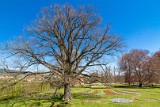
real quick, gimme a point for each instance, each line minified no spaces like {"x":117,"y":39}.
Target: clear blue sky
{"x":137,"y":21}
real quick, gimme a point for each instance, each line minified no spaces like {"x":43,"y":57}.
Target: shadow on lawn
{"x":125,"y":86}
{"x":35,"y":100}
{"x":136,"y":87}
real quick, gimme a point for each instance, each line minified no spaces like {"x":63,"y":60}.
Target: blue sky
{"x":137,"y":21}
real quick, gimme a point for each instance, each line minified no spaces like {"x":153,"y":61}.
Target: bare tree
{"x":137,"y":66}
{"x":139,"y":58}
{"x":67,"y":41}
{"x":106,"y":77}
{"x":125,"y":67}
{"x":155,"y":66}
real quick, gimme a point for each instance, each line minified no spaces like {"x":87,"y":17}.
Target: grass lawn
{"x":91,"y":97}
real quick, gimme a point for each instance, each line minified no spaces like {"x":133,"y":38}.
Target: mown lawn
{"x":90,"y":97}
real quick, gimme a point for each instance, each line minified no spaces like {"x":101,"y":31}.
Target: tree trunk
{"x":140,"y":84}
{"x":67,"y":92}
{"x":129,"y":83}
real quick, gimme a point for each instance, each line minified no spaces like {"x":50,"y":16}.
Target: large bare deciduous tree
{"x":67,"y":41}
{"x":137,"y":66}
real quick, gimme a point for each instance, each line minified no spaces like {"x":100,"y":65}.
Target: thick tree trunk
{"x":67,"y":92}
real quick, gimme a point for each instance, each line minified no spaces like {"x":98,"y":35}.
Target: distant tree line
{"x":139,"y":66}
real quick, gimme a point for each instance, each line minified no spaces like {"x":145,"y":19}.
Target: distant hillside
{"x":2,"y":71}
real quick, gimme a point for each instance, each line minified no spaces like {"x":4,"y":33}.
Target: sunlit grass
{"x":85,"y":97}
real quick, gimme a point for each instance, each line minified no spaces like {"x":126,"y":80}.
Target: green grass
{"x":87,"y":97}
{"x":145,"y":98}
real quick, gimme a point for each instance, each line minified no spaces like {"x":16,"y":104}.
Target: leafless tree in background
{"x":155,"y":66}
{"x":67,"y":41}
{"x":125,"y":67}
{"x":106,"y":76}
{"x":139,"y":58}
{"x":137,"y":66}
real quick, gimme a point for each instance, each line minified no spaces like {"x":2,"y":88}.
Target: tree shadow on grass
{"x":12,"y":102}
{"x":125,"y":86}
{"x":137,"y":87}
{"x":35,"y":100}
